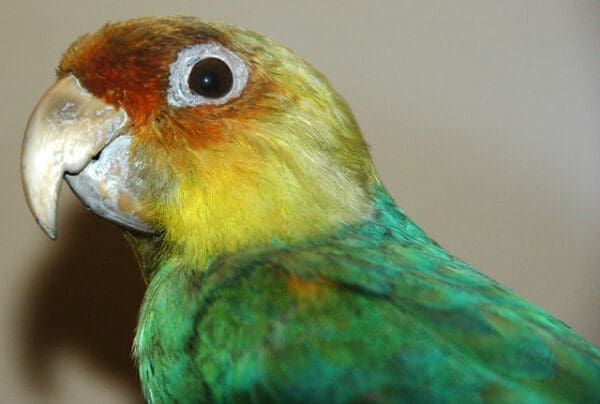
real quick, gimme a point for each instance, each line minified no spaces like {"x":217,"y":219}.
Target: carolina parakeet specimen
{"x":278,"y":267}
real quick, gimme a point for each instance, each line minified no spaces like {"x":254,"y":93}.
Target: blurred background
{"x":484,"y":122}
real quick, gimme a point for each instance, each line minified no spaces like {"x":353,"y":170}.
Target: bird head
{"x":201,"y":137}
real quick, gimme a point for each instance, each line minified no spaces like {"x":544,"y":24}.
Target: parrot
{"x":277,"y":266}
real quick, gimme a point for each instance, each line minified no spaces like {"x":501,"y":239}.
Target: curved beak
{"x":68,"y":127}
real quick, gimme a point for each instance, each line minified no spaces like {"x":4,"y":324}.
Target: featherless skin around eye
{"x":180,"y":94}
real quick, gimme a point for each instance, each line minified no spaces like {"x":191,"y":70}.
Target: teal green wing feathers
{"x":374,"y":313}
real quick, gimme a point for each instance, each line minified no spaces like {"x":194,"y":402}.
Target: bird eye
{"x":210,"y":78}
{"x":205,"y":74}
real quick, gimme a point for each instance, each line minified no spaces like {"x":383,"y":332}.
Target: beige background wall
{"x":484,"y":121}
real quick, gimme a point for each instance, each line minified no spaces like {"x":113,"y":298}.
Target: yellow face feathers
{"x":277,"y":158}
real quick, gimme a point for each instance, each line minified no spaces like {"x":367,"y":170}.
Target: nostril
{"x":96,"y":156}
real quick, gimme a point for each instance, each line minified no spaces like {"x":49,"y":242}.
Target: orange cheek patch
{"x":201,"y":131}
{"x":201,"y":136}
{"x":205,"y":125}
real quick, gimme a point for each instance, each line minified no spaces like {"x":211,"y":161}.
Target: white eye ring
{"x":179,"y":93}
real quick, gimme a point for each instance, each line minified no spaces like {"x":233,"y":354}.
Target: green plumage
{"x":374,"y":312}
{"x":278,"y":268}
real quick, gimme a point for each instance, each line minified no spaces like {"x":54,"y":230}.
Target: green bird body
{"x":278,"y":267}
{"x":373,"y":312}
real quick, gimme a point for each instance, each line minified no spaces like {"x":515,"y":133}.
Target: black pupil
{"x":211,"y":78}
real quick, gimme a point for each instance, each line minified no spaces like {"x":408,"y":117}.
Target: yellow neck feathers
{"x":249,"y":194}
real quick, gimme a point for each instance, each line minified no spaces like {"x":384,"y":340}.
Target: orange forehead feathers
{"x":127,"y":65}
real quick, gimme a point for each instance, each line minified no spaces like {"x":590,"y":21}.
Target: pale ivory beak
{"x":67,"y":128}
